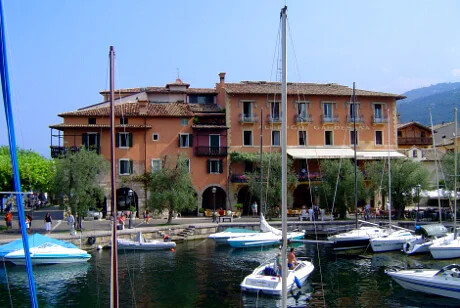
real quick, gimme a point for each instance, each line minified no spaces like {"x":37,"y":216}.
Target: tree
{"x":448,"y":163}
{"x":76,"y":180}
{"x":405,"y":176}
{"x":35,"y":171}
{"x":271,"y":184}
{"x":338,"y":186}
{"x":171,"y":188}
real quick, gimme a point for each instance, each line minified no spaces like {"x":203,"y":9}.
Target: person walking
{"x":367,"y":212}
{"x":29,"y":219}
{"x":48,"y":221}
{"x":71,"y":223}
{"x":254,"y":209}
{"x":9,"y":220}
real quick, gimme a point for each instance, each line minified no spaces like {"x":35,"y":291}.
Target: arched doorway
{"x":244,"y":197}
{"x":127,"y":197}
{"x":302,"y":196}
{"x":215,"y":200}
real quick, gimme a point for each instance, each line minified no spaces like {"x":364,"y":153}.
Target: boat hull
{"x":123,"y":244}
{"x":42,"y":260}
{"x":261,"y":240}
{"x":448,"y":249}
{"x":50,"y":254}
{"x":358,"y":238}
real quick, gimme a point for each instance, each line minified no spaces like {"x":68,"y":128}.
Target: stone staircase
{"x":189,"y":231}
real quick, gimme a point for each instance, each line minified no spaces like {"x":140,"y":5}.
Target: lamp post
{"x":214,"y":204}
{"x":418,"y":201}
{"x":131,"y":218}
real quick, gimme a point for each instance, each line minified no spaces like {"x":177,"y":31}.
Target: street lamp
{"x":418,"y":201}
{"x":131,"y":218}
{"x":214,"y":189}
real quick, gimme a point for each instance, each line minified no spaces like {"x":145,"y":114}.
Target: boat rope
{"x":7,"y":282}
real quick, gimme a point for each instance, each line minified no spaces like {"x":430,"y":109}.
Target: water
{"x":201,"y":274}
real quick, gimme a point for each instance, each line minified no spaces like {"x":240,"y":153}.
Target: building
{"x":208,"y":124}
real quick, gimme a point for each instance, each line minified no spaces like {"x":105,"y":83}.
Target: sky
{"x":58,"y":50}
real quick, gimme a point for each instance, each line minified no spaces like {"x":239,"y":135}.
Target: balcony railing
{"x":304,"y":177}
{"x":210,"y":151}
{"x":379,"y":119}
{"x":239,"y":178}
{"x":329,"y":119}
{"x":248,"y":118}
{"x":57,"y":151}
{"x":275,"y":118}
{"x":415,"y":140}
{"x":359,"y":119}
{"x":306,"y":118}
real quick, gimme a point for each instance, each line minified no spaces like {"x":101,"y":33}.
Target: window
{"x":215,"y":166}
{"x":378,"y":112}
{"x":301,"y":112}
{"x":124,"y":140}
{"x":327,"y":111}
{"x":248,"y":166}
{"x":302,"y":137}
{"x":247,"y":110}
{"x":125,"y":166}
{"x":184,"y":122}
{"x":247,"y":138}
{"x":155,"y":137}
{"x":422,"y":134}
{"x":354,"y":137}
{"x":91,"y":120}
{"x":328,"y":138}
{"x":414,"y":153}
{"x":399,"y":133}
{"x":185,"y":140}
{"x":378,"y":137}
{"x":91,"y":141}
{"x":124,"y":121}
{"x":275,"y":111}
{"x":201,"y":99}
{"x":276,"y":138}
{"x":156,"y":165}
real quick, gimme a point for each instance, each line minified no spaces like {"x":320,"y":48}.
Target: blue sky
{"x":58,"y":50}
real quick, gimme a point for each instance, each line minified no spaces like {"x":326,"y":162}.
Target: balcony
{"x":329,"y":119}
{"x":305,"y":118}
{"x":58,"y":151}
{"x":248,"y":118}
{"x":304,"y":177}
{"x":275,"y":118}
{"x":415,"y":140}
{"x":239,"y":178}
{"x":359,"y":119}
{"x":379,"y":119}
{"x":210,"y":151}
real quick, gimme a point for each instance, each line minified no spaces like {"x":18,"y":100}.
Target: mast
{"x":14,"y":159}
{"x":455,"y":176}
{"x":284,"y":158}
{"x":261,"y":171}
{"x":113,"y":199}
{"x":436,"y":166}
{"x":354,"y":150}
{"x":389,"y":169}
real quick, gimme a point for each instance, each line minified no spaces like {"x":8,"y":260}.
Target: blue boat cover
{"x":34,"y":240}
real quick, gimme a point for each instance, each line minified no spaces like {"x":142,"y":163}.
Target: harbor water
{"x":202,"y":274}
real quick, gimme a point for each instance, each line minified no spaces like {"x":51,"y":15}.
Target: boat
{"x":429,"y":234}
{"x":444,"y":282}
{"x":356,"y":238}
{"x":265,"y":278}
{"x":49,"y":253}
{"x":140,"y":243}
{"x":222,"y":237}
{"x":393,"y":241}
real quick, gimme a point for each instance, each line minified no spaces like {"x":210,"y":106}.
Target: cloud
{"x":455,"y":72}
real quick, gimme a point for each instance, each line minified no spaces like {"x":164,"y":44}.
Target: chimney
{"x":222,"y":79}
{"x":143,"y":107}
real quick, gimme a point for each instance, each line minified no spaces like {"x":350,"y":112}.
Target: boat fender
{"x":91,"y":240}
{"x":406,"y":247}
{"x":297,"y":282}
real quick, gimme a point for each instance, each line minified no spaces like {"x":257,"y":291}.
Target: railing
{"x":304,"y":177}
{"x":359,"y":119}
{"x":306,"y":118}
{"x":276,"y":118}
{"x":239,"y":178}
{"x":248,"y":118}
{"x":329,"y":119}
{"x":379,"y":119}
{"x":415,"y":140}
{"x":210,"y":151}
{"x":57,"y":151}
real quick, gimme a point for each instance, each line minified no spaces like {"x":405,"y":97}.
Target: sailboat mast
{"x":284,"y":157}
{"x":436,"y":162}
{"x":354,"y":151}
{"x":389,"y":169}
{"x":14,"y":159}
{"x":113,"y":199}
{"x":261,"y":170}
{"x":455,"y":175}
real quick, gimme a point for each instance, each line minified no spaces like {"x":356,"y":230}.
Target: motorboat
{"x":266,"y":279}
{"x":222,"y":237}
{"x":430,"y":234}
{"x":140,"y":243}
{"x":444,"y":282}
{"x":393,"y":241}
{"x":356,"y":238}
{"x":49,"y":253}
{"x":447,"y":248}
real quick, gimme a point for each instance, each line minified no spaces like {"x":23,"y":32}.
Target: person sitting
{"x":292,"y":261}
{"x":221,"y":212}
{"x":166,"y":238}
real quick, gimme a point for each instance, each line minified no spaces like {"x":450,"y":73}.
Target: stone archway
{"x":127,"y":197}
{"x":244,"y":197}
{"x":211,"y":200}
{"x":302,"y":196}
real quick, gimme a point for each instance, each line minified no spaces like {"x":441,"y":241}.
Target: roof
{"x":162,"y":90}
{"x":402,"y":125}
{"x":178,"y":109}
{"x":264,"y":87}
{"x":435,"y":126}
{"x":339,"y":152}
{"x":378,"y":154}
{"x":59,"y":126}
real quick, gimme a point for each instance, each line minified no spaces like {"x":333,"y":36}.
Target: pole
{"x":214,"y":216}
{"x":455,"y":176}
{"x":354,"y":150}
{"x":389,"y":168}
{"x":436,"y":162}
{"x":262,"y":206}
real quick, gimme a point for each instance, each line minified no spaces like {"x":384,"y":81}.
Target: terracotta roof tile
{"x":163,"y":90}
{"x":205,"y":108}
{"x":57,"y":126}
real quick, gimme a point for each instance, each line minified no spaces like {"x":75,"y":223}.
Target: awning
{"x":378,"y":154}
{"x":320,"y":152}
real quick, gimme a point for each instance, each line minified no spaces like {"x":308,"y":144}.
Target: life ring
{"x":91,"y":240}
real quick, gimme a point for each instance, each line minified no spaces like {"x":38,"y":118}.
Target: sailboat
{"x":266,"y":280}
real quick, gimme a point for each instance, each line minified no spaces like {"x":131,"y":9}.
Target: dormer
{"x":178,"y":86}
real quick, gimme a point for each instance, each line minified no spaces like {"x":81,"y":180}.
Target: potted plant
{"x":239,"y":209}
{"x":132,"y":211}
{"x":201,"y":211}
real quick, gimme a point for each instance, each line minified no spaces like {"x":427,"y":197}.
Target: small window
{"x":124,"y":121}
{"x":276,"y":138}
{"x":155,"y":136}
{"x":302,"y":137}
{"x":156,"y":165}
{"x":422,"y":134}
{"x":91,"y":120}
{"x":125,"y":166}
{"x":124,"y":140}
{"x":185,"y":140}
{"x":354,"y":137}
{"x":247,"y":138}
{"x":414,"y":153}
{"x":400,"y":134}
{"x":215,"y":166}
{"x":184,"y":122}
{"x":328,"y":138}
{"x":248,"y":166}
{"x":378,"y":137}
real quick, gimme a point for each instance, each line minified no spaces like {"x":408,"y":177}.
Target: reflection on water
{"x":201,"y":274}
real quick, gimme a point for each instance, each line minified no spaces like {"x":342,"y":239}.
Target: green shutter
{"x":190,"y":136}
{"x":98,"y":150}
{"x":84,"y":140}
{"x":117,"y":142}
{"x":130,"y":140}
{"x":221,"y":166}
{"x":130,"y":167}
{"x":179,"y":141}
{"x":208,"y":165}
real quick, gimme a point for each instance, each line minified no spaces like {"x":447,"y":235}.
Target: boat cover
{"x":34,"y":241}
{"x":265,"y":227}
{"x":431,"y":230}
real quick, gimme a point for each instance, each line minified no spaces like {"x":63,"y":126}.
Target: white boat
{"x":264,"y":279}
{"x":356,"y":238}
{"x":140,"y":243}
{"x":222,"y":237}
{"x":49,"y":253}
{"x":430,"y":234}
{"x":447,"y":248}
{"x":444,"y":282}
{"x":393,"y":241}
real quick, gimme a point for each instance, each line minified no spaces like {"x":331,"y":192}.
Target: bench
{"x":224,"y":218}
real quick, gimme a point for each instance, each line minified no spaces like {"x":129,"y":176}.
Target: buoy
{"x":297,"y":282}
{"x":99,"y":247}
{"x":172,"y":249}
{"x":91,"y":240}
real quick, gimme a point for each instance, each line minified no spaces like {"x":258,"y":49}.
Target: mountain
{"x":442,"y":98}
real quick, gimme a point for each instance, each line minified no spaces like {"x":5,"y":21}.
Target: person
{"x":29,"y":222}
{"x":9,"y":220}
{"x":292,"y":261}
{"x":48,"y":221}
{"x":221,"y":212}
{"x":367,"y":212}
{"x":310,"y":213}
{"x":303,"y":213}
{"x":254,"y":209}
{"x":278,"y":266}
{"x":71,"y":223}
{"x":316,"y":212}
{"x":121,"y":222}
